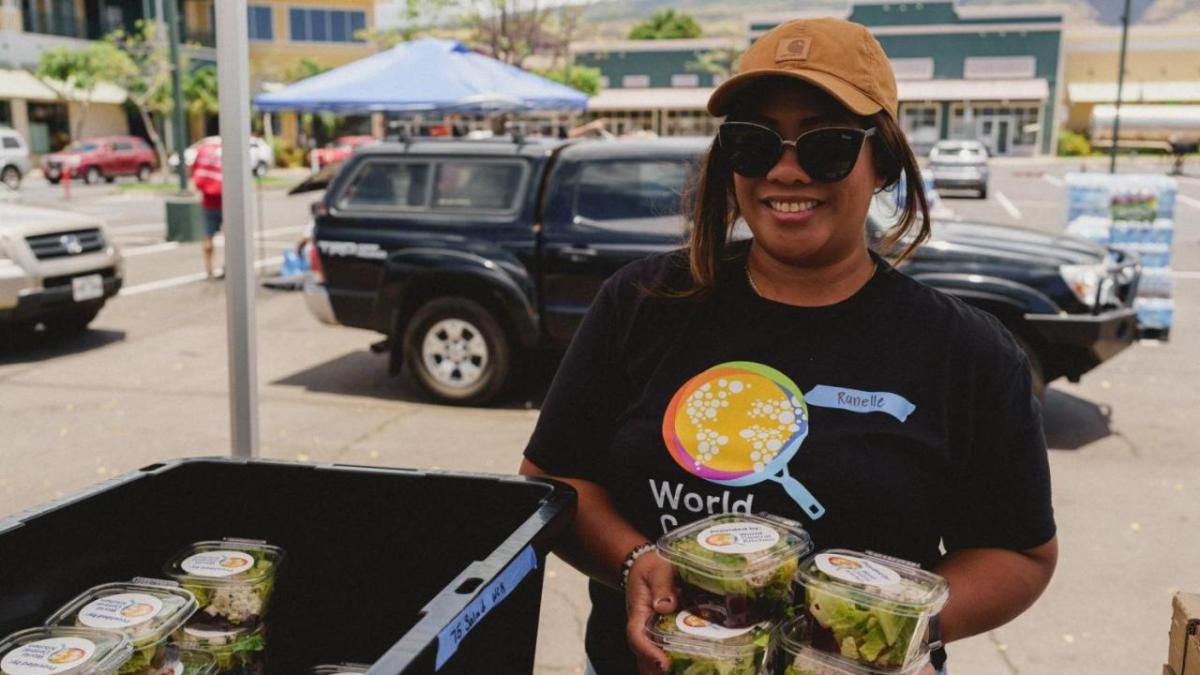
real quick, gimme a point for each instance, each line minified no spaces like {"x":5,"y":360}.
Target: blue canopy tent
{"x":426,"y":75}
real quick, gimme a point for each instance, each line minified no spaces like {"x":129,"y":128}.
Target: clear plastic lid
{"x":52,"y":650}
{"x":870,"y":579}
{"x":687,"y":633}
{"x":733,"y":545}
{"x":193,"y":662}
{"x":225,"y":562}
{"x":341,"y":669}
{"x":223,"y":642}
{"x":147,"y":610}
{"x":795,"y":656}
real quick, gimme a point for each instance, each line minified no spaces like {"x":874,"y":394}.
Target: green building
{"x":991,"y":74}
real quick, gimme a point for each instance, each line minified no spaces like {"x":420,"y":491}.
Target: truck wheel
{"x":1036,"y":374}
{"x":11,"y":177}
{"x":260,"y":169}
{"x":457,"y":351}
{"x":92,"y":175}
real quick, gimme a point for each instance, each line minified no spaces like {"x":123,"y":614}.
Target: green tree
{"x":146,"y":77}
{"x":666,"y":24}
{"x":721,"y":62}
{"x":514,"y":30}
{"x":74,"y":74}
{"x":418,"y":17}
{"x":582,"y":78}
{"x":200,"y":93}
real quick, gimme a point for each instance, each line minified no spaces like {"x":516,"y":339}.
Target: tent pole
{"x":239,"y":218}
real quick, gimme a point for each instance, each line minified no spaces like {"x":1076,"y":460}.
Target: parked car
{"x":14,"y":158}
{"x":262,"y":155}
{"x":339,"y":151}
{"x":960,"y":165}
{"x":107,"y":157}
{"x":469,"y":254}
{"x":57,"y":269}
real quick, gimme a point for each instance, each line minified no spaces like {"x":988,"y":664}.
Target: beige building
{"x":1162,"y":68}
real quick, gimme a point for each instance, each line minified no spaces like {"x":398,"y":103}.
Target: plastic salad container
{"x":696,"y":645}
{"x":793,"y":655}
{"x":232,"y":579}
{"x":55,"y":650}
{"x":236,"y":652}
{"x":146,"y":610}
{"x":341,"y":669}
{"x":191,"y":662}
{"x":737,"y":569}
{"x":869,"y":608}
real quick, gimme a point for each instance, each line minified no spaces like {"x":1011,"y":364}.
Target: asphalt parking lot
{"x":148,"y":383}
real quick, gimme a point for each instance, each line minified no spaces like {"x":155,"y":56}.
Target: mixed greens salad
{"x":742,"y":652}
{"x":736,"y":569}
{"x":741,"y":599}
{"x":235,"y":602}
{"x":794,"y":655}
{"x":237,"y":652}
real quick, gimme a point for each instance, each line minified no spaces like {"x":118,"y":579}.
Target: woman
{"x":909,"y":413}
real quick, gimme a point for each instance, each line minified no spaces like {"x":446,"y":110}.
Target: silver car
{"x":14,"y":158}
{"x":960,"y":165}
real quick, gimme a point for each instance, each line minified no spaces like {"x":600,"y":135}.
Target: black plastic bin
{"x":407,"y":570}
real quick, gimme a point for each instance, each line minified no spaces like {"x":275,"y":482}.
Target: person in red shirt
{"x":206,"y":175}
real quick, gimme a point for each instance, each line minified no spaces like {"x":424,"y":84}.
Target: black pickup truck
{"x":468,"y":255}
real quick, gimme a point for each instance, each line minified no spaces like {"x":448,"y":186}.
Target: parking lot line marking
{"x":1194,"y":203}
{"x":1008,"y":205}
{"x":152,"y":248}
{"x":173,"y":282}
{"x":1053,"y":180}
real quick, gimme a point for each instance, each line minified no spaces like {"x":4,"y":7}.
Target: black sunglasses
{"x":827,"y":154}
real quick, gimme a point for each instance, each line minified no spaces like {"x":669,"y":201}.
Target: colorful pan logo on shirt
{"x":738,"y":424}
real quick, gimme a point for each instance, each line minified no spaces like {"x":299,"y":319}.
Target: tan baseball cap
{"x":839,"y":56}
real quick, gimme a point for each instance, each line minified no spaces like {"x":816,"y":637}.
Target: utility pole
{"x":1116,"y":134}
{"x":171,"y":15}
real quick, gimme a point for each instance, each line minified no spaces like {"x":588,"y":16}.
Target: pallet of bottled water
{"x":1134,"y":213}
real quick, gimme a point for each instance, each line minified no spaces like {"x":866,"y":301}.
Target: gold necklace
{"x":750,"y":278}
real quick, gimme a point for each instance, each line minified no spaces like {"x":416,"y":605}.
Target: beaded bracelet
{"x":637,"y":552}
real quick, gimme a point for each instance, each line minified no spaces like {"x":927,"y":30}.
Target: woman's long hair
{"x":715,"y":208}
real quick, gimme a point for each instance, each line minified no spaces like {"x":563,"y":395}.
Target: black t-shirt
{"x":905,"y":414}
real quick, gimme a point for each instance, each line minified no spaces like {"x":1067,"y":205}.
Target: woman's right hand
{"x":650,"y":590}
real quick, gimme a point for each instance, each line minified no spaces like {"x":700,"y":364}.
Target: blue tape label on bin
{"x":492,"y":595}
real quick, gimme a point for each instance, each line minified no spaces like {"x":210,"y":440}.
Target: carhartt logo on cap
{"x":792,"y":49}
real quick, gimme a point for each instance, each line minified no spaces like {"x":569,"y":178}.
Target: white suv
{"x":56,"y":268}
{"x":14,"y":158}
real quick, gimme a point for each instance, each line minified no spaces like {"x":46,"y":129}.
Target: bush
{"x":1071,"y":144}
{"x":288,"y":155}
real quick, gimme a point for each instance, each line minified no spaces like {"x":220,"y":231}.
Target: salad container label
{"x":49,"y":656}
{"x":691,"y":624}
{"x":122,"y":610}
{"x":217,"y":564}
{"x":856,"y":570}
{"x":738,"y":538}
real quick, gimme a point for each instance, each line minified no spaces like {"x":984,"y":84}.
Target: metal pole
{"x":239,"y":217}
{"x":171,"y":14}
{"x":1116,"y":135}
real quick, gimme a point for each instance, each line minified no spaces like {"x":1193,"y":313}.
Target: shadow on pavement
{"x":33,"y":347}
{"x":365,"y":374}
{"x":1072,"y":422}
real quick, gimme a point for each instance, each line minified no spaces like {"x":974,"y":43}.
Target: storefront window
{"x":5,"y":114}
{"x":49,"y":127}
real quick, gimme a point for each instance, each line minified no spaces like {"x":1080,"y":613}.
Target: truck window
{"x":634,"y":195}
{"x":477,"y":185}
{"x":11,"y":143}
{"x":386,"y":184}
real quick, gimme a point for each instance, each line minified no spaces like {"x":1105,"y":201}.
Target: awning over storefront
{"x":663,"y":98}
{"x":974,"y":90}
{"x":21,"y":84}
{"x":1134,"y":92}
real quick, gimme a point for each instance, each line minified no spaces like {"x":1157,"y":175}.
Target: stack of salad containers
{"x":855,"y":613}
{"x":207,"y":621}
{"x":233,"y":581}
{"x":1134,"y":213}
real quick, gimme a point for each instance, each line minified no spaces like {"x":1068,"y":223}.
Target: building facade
{"x":982,"y":73}
{"x":1162,"y":79}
